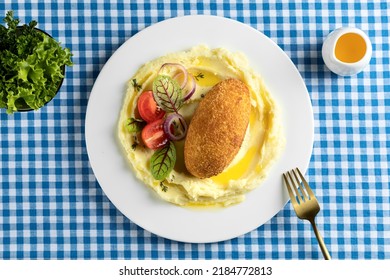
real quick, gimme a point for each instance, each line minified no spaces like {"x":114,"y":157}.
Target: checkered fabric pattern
{"x":51,"y":206}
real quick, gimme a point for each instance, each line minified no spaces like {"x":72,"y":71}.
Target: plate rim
{"x":92,"y":97}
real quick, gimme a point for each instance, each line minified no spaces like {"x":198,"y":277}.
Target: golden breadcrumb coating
{"x":217,"y":129}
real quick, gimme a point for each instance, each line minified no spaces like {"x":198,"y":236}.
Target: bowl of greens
{"x":32,"y":66}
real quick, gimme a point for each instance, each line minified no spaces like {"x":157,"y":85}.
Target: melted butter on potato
{"x":244,"y":161}
{"x":217,"y":128}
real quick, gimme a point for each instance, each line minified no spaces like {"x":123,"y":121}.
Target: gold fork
{"x":304,"y":202}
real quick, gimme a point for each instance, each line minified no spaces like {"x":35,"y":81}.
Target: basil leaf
{"x":163,"y":161}
{"x":167,"y":93}
{"x":134,"y":125}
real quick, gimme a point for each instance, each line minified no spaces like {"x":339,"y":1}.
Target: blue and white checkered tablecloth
{"x":51,"y":206}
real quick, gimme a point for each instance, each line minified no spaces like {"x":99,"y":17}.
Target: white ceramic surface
{"x":138,"y":202}
{"x":339,"y":67}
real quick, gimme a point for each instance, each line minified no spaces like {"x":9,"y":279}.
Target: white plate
{"x":138,"y":202}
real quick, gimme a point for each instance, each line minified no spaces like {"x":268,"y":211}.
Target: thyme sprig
{"x":137,"y":87}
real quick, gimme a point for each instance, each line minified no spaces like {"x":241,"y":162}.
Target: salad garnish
{"x":167,"y":93}
{"x":175,"y":127}
{"x":163,"y":187}
{"x":135,"y":125}
{"x":199,"y":76}
{"x":163,"y":161}
{"x":161,"y":123}
{"x":136,"y":86}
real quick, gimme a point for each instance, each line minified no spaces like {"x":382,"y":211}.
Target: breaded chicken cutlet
{"x":217,"y":129}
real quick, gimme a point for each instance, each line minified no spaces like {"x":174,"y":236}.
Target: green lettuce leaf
{"x":163,"y":161}
{"x":134,"y":125}
{"x":32,"y":65}
{"x":167,"y":93}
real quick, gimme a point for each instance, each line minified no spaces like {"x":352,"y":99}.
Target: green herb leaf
{"x":163,"y":187}
{"x":199,"y":76}
{"x":31,"y":67}
{"x":134,"y":125}
{"x":137,"y":87}
{"x":167,"y":93}
{"x":163,"y":161}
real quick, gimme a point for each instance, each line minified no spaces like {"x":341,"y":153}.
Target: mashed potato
{"x":263,"y":141}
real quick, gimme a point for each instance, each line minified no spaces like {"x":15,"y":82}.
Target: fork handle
{"x":321,"y":242}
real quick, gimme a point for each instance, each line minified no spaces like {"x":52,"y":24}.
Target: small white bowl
{"x":336,"y":65}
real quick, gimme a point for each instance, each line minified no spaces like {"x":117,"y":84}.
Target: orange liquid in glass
{"x":350,"y":48}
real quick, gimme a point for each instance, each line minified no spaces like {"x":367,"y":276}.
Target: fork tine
{"x":290,"y":191}
{"x":308,"y":189}
{"x":301,"y":189}
{"x":294,"y":184}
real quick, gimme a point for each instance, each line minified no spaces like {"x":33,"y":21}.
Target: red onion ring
{"x":181,"y":68}
{"x":190,"y":86}
{"x":181,"y":124}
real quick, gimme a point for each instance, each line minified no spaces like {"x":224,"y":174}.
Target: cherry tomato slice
{"x":153,"y":135}
{"x":147,"y":107}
